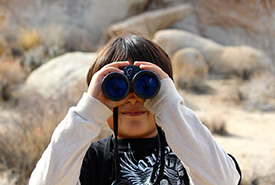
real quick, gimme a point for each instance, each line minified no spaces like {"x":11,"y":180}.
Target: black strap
{"x":116,"y":158}
{"x":105,"y":160}
{"x":161,"y":141}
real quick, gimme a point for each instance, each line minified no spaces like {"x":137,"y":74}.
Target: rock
{"x":150,"y":22}
{"x":190,"y":23}
{"x":173,"y":40}
{"x":57,"y":85}
{"x":223,"y":60}
{"x":62,"y":76}
{"x":189,"y":65}
{"x":84,"y":22}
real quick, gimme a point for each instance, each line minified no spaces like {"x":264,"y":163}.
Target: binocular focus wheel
{"x":115,"y":86}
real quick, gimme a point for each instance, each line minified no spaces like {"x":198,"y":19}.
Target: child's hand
{"x":152,"y":67}
{"x":95,"y":86}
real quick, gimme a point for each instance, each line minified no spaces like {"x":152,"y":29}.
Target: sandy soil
{"x":251,"y":137}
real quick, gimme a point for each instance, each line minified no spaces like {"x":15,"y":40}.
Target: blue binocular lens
{"x":145,"y":84}
{"x":115,"y":86}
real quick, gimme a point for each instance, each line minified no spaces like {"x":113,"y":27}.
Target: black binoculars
{"x":116,"y":86}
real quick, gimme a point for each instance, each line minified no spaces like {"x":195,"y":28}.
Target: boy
{"x":187,"y":154}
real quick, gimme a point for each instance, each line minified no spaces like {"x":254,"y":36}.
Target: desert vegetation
{"x":24,"y":139}
{"x":27,"y":118}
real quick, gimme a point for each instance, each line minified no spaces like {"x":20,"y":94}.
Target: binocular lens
{"x":115,"y":87}
{"x":146,"y":85}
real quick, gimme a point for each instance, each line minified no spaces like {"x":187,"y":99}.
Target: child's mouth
{"x":134,"y":113}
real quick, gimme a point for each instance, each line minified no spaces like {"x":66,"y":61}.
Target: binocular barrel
{"x":116,"y":86}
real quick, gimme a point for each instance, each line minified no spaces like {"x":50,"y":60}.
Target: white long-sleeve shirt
{"x":205,"y":161}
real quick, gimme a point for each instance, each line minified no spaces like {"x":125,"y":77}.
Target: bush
{"x":259,"y":93}
{"x":215,"y":121}
{"x":22,"y":146}
{"x":11,"y":74}
{"x":4,"y":48}
{"x":23,"y":142}
{"x":28,"y":38}
{"x":216,"y":126}
{"x":50,"y":45}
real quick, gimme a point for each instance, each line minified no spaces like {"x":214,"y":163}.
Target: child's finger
{"x":152,"y":67}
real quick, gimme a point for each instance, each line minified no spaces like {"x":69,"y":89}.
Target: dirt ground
{"x":250,"y":138}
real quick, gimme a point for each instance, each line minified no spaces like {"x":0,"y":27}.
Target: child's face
{"x":134,"y":120}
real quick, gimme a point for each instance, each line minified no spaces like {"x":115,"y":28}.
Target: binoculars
{"x":116,"y":86}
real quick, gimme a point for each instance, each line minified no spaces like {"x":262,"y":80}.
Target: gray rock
{"x":63,"y":75}
{"x":189,"y":23}
{"x":224,"y":60}
{"x":84,"y":22}
{"x":150,"y":22}
{"x":173,"y":40}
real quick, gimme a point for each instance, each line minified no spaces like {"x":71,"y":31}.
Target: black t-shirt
{"x":137,"y":158}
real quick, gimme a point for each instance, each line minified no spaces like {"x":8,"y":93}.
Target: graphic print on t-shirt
{"x":139,"y":172}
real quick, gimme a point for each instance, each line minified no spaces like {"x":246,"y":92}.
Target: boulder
{"x":172,"y":40}
{"x":224,"y":60}
{"x":63,"y":75}
{"x":150,"y":22}
{"x":57,"y":85}
{"x":189,"y":65}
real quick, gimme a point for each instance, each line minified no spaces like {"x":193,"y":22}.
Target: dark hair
{"x":131,"y":48}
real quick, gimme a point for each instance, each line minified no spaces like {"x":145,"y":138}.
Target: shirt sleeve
{"x":205,"y":161}
{"x":61,"y":161}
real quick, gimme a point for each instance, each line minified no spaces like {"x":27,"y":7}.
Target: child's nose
{"x":132,"y":99}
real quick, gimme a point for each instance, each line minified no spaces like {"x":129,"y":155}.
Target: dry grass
{"x":28,"y":38}
{"x":21,"y":147}
{"x":215,"y":121}
{"x":39,"y":46}
{"x":4,"y":48}
{"x":23,"y":142}
{"x":259,"y":93}
{"x":216,"y":126}
{"x":11,"y":74}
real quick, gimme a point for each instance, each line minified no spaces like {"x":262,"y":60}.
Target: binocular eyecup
{"x":145,"y":84}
